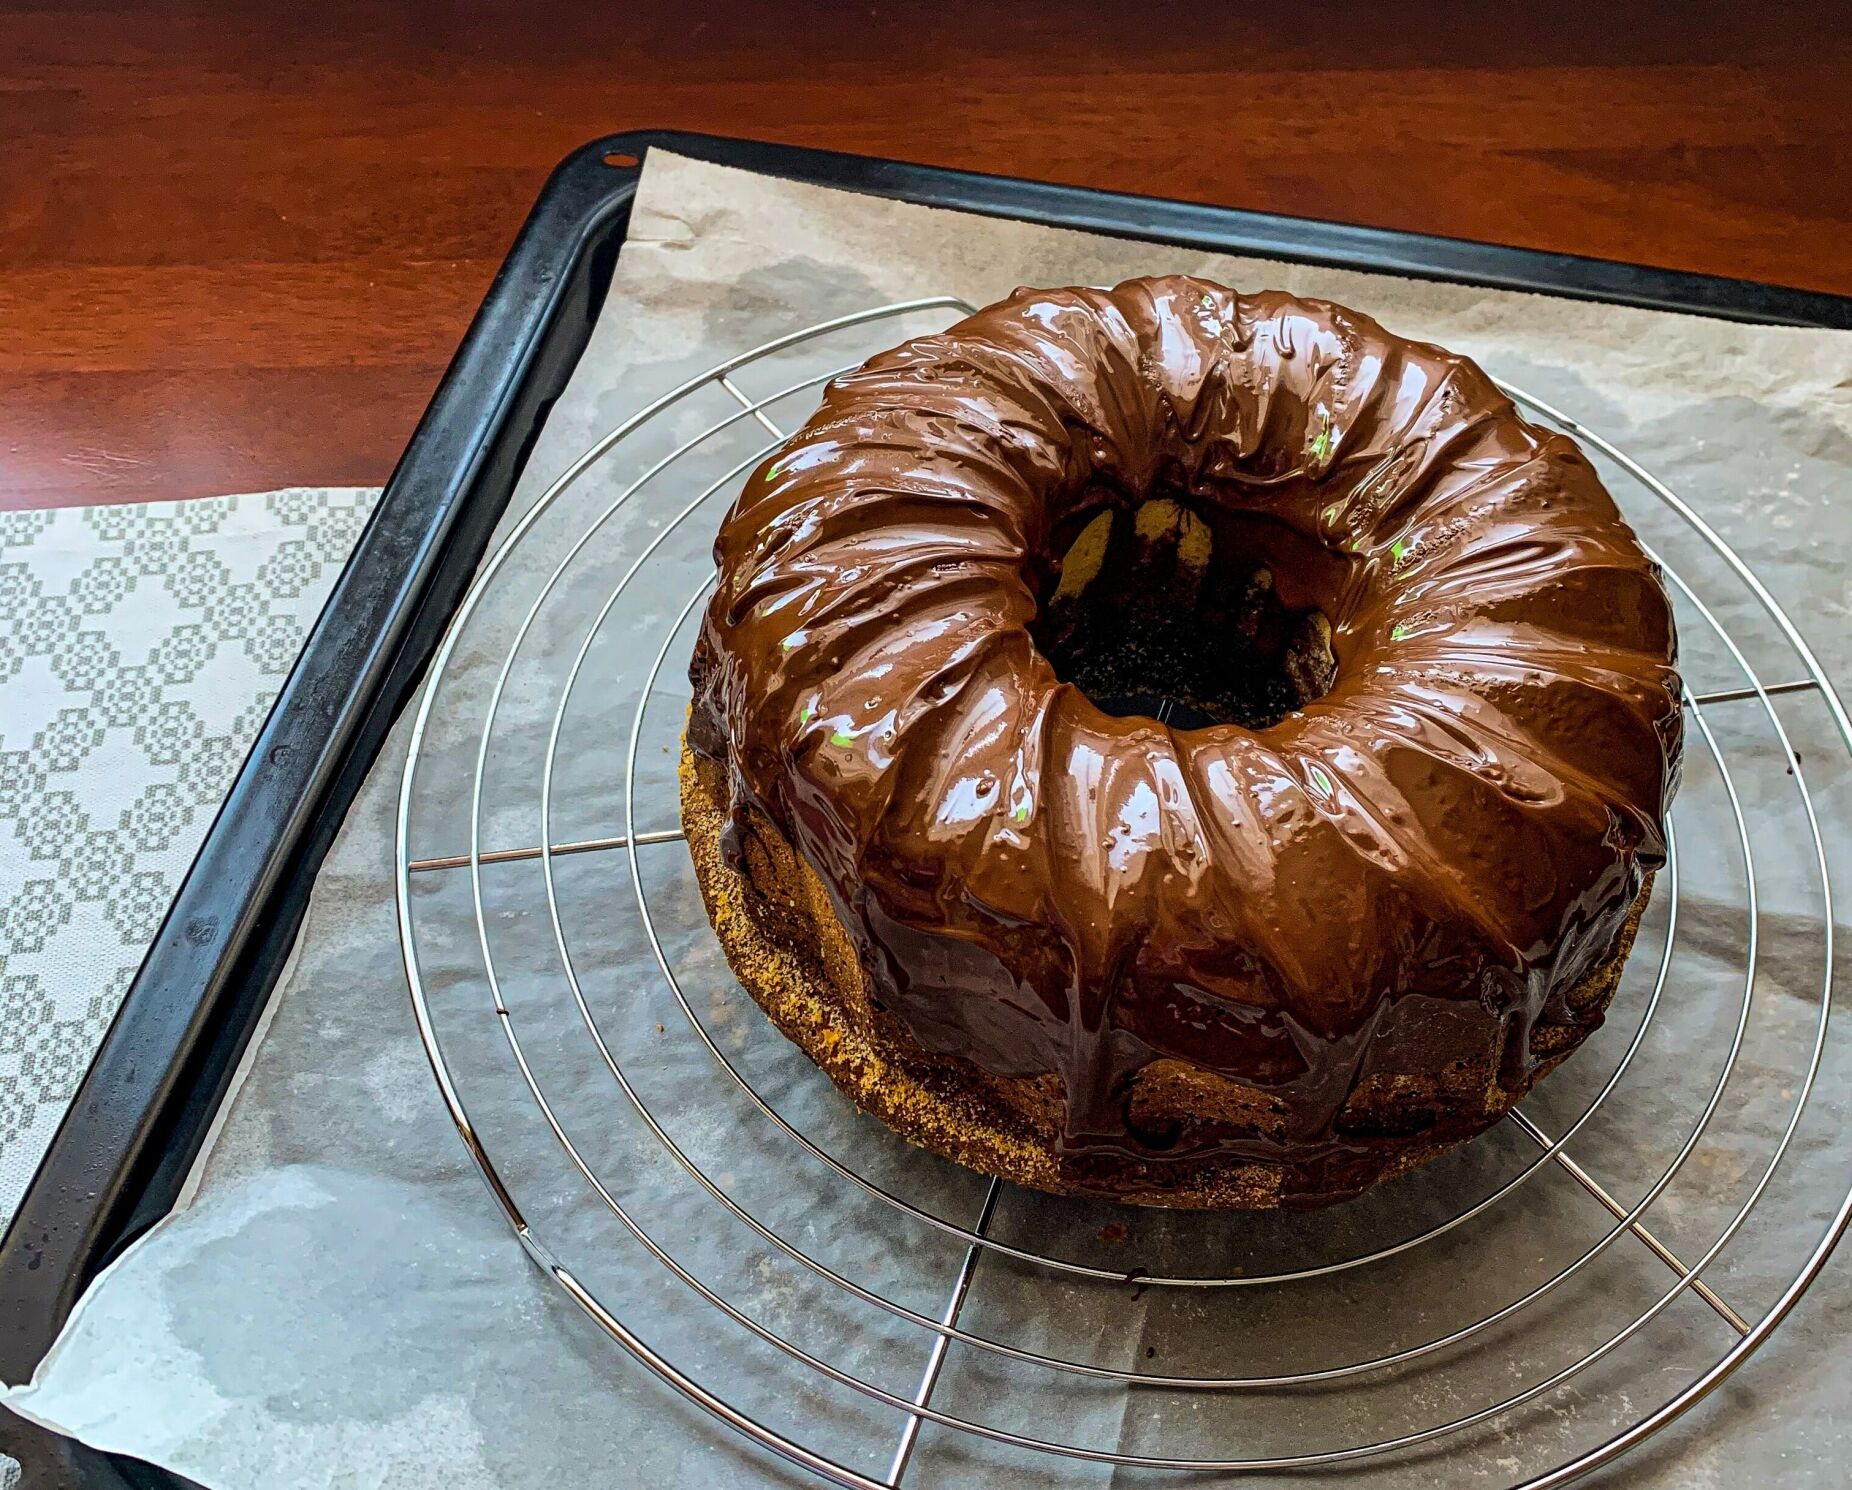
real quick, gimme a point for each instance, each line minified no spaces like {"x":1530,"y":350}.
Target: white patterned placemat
{"x":140,"y":648}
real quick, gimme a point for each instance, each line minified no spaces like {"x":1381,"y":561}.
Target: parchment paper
{"x":342,"y":1305}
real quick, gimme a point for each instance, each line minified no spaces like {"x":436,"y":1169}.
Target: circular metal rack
{"x":549,"y":641}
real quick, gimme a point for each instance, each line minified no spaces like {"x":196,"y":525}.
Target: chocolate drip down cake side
{"x":1180,"y":746}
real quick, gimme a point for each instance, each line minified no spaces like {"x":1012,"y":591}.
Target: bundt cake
{"x":1180,"y":746}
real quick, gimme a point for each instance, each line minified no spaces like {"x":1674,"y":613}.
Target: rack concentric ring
{"x":941,"y":1331}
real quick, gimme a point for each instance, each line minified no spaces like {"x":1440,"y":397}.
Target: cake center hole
{"x":1159,"y":611}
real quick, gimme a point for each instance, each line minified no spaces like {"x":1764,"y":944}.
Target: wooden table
{"x":237,"y":248}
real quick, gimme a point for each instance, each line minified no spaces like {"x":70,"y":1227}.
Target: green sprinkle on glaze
{"x":1324,"y":781}
{"x":803,"y":714}
{"x":1399,"y":550}
{"x":1208,"y":299}
{"x":1021,"y":814}
{"x":841,"y":737}
{"x":1321,"y":446}
{"x":1399,"y":630}
{"x":791,"y":641}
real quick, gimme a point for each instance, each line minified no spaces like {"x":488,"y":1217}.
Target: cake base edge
{"x":784,"y":942}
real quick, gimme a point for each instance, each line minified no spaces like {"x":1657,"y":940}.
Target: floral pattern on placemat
{"x":141,"y":647}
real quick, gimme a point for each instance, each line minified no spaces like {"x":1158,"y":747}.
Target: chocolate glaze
{"x":1450,"y":838}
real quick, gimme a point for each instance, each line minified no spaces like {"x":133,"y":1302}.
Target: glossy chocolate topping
{"x":1446,"y":841}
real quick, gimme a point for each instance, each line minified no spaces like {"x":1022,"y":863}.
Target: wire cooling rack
{"x":876,"y":1315}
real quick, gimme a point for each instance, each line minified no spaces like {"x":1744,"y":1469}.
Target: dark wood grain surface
{"x":238,"y":242}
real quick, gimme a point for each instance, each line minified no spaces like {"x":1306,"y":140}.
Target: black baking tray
{"x":141,"y":1114}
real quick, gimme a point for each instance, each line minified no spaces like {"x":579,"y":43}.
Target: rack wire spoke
{"x":1614,"y":1208}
